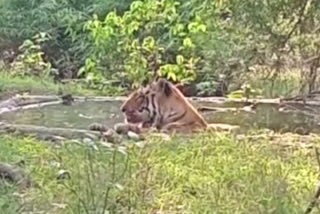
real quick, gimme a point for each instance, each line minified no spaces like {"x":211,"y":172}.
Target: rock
{"x":124,"y":128}
{"x":90,"y":142}
{"x":224,"y":127}
{"x":67,"y":99}
{"x":63,"y":174}
{"x":14,"y":174}
{"x":133,"y":136}
{"x":112,"y":136}
{"x":98,"y":127}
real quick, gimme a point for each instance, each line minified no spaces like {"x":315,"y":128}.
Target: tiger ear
{"x":145,"y":82}
{"x":164,"y":86}
{"x":178,"y":85}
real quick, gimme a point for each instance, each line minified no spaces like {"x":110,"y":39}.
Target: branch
{"x":44,"y":132}
{"x":302,"y":11}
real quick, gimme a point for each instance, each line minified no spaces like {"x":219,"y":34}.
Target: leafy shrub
{"x":247,"y":37}
{"x":31,"y":59}
{"x":129,"y":41}
{"x":63,"y":20}
{"x":148,"y":40}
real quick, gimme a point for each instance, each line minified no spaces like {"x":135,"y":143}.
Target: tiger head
{"x":135,"y":107}
{"x":162,"y":105}
{"x":141,"y":105}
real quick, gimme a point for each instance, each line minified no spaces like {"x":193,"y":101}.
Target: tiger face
{"x":136,"y":107}
{"x":144,"y":106}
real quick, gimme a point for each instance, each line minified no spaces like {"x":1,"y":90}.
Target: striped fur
{"x":161,"y":105}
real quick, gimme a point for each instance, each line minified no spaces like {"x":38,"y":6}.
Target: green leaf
{"x":236,"y":94}
{"x":202,"y":28}
{"x":136,"y":5}
{"x":81,"y":71}
{"x":148,"y":43}
{"x":180,"y":59}
{"x":187,"y":43}
{"x":192,"y":26}
{"x":172,"y":75}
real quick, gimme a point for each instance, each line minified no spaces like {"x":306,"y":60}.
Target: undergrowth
{"x":206,"y":173}
{"x":10,"y":85}
{"x":285,"y":85}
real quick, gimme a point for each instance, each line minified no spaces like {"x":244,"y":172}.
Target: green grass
{"x":206,"y":173}
{"x":10,"y":85}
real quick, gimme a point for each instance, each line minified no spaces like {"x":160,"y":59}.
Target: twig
{"x":318,"y":157}
{"x":301,"y":14}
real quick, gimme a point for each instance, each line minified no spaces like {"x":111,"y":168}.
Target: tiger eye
{"x":140,"y":98}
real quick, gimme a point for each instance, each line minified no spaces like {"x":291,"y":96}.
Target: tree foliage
{"x":149,"y":39}
{"x":63,"y":20}
{"x":198,"y":41}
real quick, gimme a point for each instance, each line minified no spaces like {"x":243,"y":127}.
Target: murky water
{"x":81,"y":115}
{"x":78,"y":115}
{"x":268,"y":116}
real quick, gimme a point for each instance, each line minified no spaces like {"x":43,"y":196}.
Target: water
{"x":268,"y":116}
{"x":78,"y":115}
{"x":81,"y":115}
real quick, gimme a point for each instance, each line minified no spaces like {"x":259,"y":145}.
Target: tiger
{"x":162,"y":106}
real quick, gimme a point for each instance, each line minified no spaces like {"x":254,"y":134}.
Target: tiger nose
{"x":123,"y":109}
